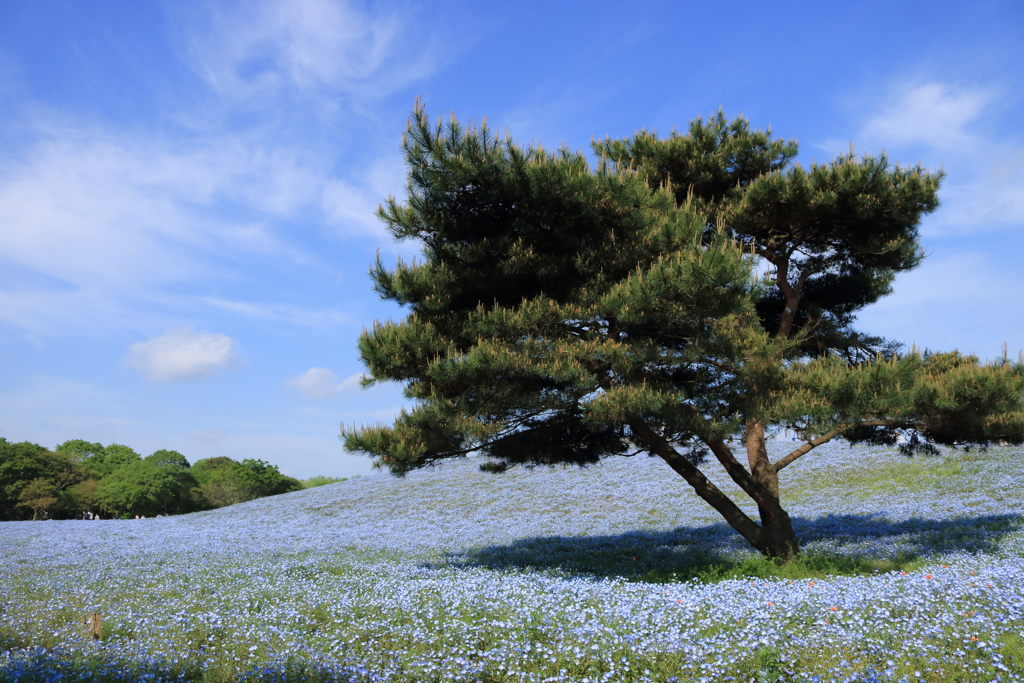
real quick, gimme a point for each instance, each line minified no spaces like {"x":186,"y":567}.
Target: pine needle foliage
{"x":833,"y":236}
{"x":564,"y":312}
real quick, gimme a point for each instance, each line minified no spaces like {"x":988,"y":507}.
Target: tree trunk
{"x":779,"y":542}
{"x":704,"y":488}
{"x":774,"y":537}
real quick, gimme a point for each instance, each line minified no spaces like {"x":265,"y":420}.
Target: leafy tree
{"x":147,"y":487}
{"x":63,"y":469}
{"x":162,"y":458}
{"x":224,"y":481}
{"x":258,"y":478}
{"x":20,"y":464}
{"x":88,"y":454}
{"x":40,"y":496}
{"x":218,"y":483}
{"x":97,"y":458}
{"x":564,"y":313}
{"x":210,"y":468}
{"x":175,"y":485}
{"x":127,"y":491}
{"x":116,"y":456}
{"x":80,"y":498}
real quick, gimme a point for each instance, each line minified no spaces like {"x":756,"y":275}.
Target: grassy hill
{"x":539,"y":575}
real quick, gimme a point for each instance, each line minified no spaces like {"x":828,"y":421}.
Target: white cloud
{"x":934,"y":114}
{"x":182,"y":354}
{"x":958,"y":128}
{"x":101,"y":220}
{"x":351,"y":206}
{"x":282,"y":312}
{"x":252,"y":50}
{"x":46,"y":312}
{"x":109,"y":220}
{"x":104,"y":222}
{"x":988,"y":196}
{"x":323,"y":384}
{"x":347,"y":204}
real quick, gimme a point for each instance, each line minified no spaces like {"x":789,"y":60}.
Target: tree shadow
{"x":837,"y":544}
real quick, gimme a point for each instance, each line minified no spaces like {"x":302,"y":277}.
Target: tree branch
{"x":791,"y":293}
{"x":739,"y":474}
{"x":711,"y":494}
{"x":802,"y":280}
{"x":809,"y":446}
{"x":828,"y":436}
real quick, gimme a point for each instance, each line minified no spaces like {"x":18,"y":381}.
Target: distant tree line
{"x":114,"y":481}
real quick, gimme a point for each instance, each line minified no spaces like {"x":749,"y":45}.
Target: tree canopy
{"x":224,"y":481}
{"x":564,"y":312}
{"x":79,"y":476}
{"x":833,"y":236}
{"x":149,"y":487}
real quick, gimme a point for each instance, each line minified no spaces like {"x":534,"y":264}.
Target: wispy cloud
{"x":280,"y":312}
{"x":323,"y":384}
{"x":250,"y":50}
{"x":933,"y":114}
{"x":183,"y":354}
{"x":350,"y":206}
{"x":106,"y":219}
{"x":950,"y":125}
{"x":109,"y":219}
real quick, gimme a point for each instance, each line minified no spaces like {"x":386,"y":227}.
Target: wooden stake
{"x":94,"y":623}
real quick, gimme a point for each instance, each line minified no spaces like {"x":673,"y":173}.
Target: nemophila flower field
{"x":452,"y":574}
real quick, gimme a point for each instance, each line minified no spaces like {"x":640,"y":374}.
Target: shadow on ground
{"x":845,"y":544}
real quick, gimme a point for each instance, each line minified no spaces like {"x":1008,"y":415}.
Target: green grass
{"x":946,"y":473}
{"x":809,"y":565}
{"x":320,"y":480}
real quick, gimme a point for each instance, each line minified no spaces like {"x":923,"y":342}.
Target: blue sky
{"x":187,"y":188}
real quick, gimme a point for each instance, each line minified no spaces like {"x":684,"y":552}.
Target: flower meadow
{"x":599,"y":574}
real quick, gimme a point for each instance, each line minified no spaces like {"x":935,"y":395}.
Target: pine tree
{"x":563,"y":313}
{"x":834,"y":237}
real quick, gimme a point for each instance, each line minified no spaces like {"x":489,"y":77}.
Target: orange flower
{"x":927,"y":576}
{"x":834,"y":608}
